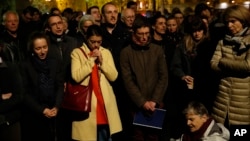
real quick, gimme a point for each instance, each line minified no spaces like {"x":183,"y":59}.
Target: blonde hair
{"x":238,"y":12}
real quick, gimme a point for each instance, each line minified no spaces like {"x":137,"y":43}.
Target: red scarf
{"x":196,"y":136}
{"x":100,"y":110}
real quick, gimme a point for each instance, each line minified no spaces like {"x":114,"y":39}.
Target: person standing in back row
{"x":60,"y":49}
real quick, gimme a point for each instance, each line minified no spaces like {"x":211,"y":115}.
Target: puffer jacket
{"x":232,"y":60}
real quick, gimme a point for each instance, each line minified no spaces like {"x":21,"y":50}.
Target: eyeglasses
{"x":130,"y":17}
{"x":56,"y":24}
{"x":142,"y":34}
{"x":94,"y":41}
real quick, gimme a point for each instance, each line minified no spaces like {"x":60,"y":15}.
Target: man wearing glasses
{"x":145,"y":76}
{"x":60,"y":48}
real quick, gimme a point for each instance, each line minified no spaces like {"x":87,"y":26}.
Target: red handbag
{"x":78,"y":97}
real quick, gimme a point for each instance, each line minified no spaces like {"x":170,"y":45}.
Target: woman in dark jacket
{"x":10,"y":98}
{"x":191,"y":67}
{"x":43,"y":85}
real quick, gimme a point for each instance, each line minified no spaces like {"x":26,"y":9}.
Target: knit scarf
{"x":45,"y":82}
{"x":237,"y":41}
{"x":196,"y":136}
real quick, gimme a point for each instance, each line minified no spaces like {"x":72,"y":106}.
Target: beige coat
{"x":233,"y":97}
{"x":81,"y":68}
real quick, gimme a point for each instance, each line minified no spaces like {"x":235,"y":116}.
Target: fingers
{"x":188,"y":79}
{"x":149,"y":106}
{"x":49,"y":113}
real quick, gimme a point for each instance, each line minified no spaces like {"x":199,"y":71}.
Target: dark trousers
{"x":10,"y":132}
{"x":145,"y":134}
{"x":38,"y":128}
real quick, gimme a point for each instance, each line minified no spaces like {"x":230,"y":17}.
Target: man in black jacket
{"x":10,"y":101}
{"x":60,"y":48}
{"x":115,"y":38}
{"x":13,"y":50}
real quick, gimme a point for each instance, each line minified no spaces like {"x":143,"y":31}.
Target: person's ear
{"x":204,"y":118}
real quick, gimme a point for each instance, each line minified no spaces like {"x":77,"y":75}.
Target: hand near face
{"x":96,"y":53}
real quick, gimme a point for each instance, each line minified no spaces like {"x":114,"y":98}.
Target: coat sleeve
{"x":176,"y":64}
{"x":238,"y":65}
{"x":16,"y":90}
{"x":129,"y":82}
{"x":108,"y":67}
{"x":162,"y":83}
{"x":217,"y":57}
{"x":59,"y":86}
{"x":29,"y":101}
{"x":81,"y":67}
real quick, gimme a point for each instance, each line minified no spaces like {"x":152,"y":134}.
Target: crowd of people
{"x":193,"y":64}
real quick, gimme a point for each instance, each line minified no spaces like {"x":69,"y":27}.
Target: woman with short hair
{"x":201,"y":126}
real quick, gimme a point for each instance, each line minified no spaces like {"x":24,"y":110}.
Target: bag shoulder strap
{"x":83,"y":52}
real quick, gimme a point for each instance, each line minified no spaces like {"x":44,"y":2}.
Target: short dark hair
{"x":201,"y":7}
{"x":54,"y":9}
{"x":90,"y":8}
{"x":197,"y":24}
{"x":93,"y":30}
{"x":156,"y":17}
{"x":68,"y":10}
{"x":46,"y":25}
{"x":108,"y":3}
{"x":28,"y":9}
{"x":139,"y":22}
{"x":130,"y":3}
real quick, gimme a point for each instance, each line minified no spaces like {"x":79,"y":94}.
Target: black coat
{"x":13,"y":48}
{"x":10,"y":83}
{"x":60,"y":48}
{"x":32,"y":96}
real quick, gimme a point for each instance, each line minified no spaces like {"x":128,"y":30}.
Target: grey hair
{"x":85,"y":18}
{"x":125,"y":10}
{"x":9,"y":12}
{"x":197,"y":107}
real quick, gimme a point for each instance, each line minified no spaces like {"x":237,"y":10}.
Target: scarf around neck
{"x":196,"y":136}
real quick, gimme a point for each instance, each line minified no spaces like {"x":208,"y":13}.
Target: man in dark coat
{"x":115,"y":38}
{"x":60,"y":49}
{"x":13,"y":48}
{"x":145,"y":76}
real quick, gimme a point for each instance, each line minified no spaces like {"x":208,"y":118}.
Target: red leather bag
{"x":78,"y":97}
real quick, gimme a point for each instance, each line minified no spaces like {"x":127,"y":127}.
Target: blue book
{"x":154,"y":120}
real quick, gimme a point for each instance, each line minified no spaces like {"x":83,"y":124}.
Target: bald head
{"x":128,"y":16}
